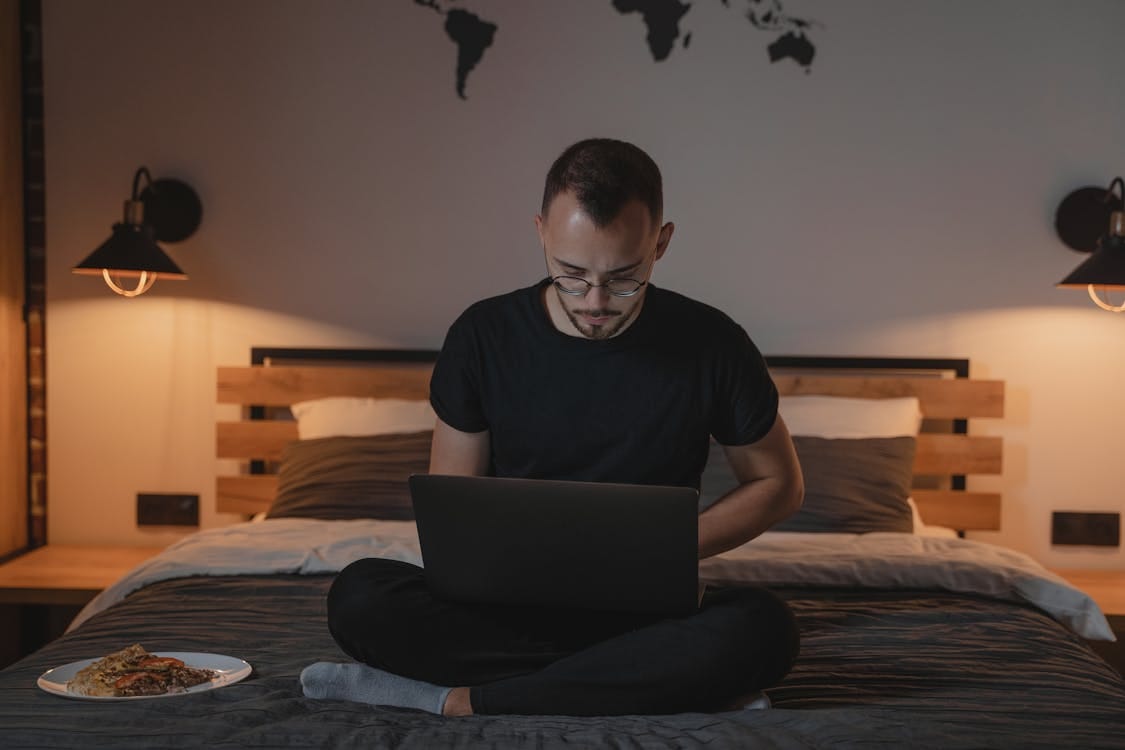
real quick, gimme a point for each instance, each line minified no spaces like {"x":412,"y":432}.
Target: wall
{"x":894,"y":199}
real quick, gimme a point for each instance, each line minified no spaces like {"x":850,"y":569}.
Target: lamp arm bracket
{"x":1120,"y":185}
{"x":137,"y":182}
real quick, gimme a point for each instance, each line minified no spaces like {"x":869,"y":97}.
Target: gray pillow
{"x":341,"y":478}
{"x":852,"y":485}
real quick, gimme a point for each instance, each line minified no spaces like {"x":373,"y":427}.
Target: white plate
{"x":230,"y":670}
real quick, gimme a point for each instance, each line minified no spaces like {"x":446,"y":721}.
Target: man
{"x":593,"y":374}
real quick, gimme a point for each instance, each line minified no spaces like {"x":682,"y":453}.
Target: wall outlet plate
{"x":1089,"y":529}
{"x":167,"y":509}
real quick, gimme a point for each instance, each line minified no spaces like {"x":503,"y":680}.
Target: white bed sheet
{"x":878,"y":560}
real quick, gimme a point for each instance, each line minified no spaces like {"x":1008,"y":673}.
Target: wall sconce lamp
{"x":1092,"y":220}
{"x":166,"y":210}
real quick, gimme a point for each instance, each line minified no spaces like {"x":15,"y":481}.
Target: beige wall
{"x":896,"y":200}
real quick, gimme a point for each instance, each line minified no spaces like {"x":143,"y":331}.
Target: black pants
{"x":522,"y":660}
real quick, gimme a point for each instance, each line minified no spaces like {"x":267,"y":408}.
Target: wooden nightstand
{"x":66,"y":574}
{"x":42,"y":590}
{"x":1107,"y":588}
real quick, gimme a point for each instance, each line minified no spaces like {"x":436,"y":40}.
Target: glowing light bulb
{"x":144,"y":283}
{"x":1103,"y":304}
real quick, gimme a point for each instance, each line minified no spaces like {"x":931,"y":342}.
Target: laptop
{"x":581,"y":545}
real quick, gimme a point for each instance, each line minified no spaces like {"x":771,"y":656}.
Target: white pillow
{"x":921,"y":528}
{"x":355,"y":417}
{"x":844,"y":417}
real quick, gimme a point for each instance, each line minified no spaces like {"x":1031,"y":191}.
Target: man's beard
{"x":613,"y":325}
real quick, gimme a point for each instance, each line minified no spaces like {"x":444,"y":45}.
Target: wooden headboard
{"x":946,"y":453}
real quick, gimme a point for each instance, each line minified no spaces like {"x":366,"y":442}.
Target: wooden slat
{"x":249,"y":493}
{"x":284,"y":385}
{"x":253,"y":439}
{"x":936,"y":455}
{"x":944,"y":454}
{"x":971,"y":511}
{"x":958,"y":509}
{"x":939,"y":398}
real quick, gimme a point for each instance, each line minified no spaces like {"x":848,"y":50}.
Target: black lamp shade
{"x":1105,"y":267}
{"x":130,"y":250}
{"x":166,"y":210}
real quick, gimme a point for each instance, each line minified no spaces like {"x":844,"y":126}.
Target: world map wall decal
{"x":473,"y":35}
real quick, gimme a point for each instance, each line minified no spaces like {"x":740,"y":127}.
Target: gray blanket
{"x":877,"y":669}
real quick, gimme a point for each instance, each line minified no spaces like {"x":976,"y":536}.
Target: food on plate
{"x":134,"y":671}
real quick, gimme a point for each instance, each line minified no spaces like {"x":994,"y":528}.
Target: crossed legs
{"x":530,"y":660}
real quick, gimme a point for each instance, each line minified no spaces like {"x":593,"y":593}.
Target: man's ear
{"x":539,"y":229}
{"x":664,"y":238}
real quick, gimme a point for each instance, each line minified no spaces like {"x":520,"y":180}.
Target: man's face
{"x":625,"y":249}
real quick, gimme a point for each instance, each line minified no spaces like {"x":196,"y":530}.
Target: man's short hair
{"x":604,"y":174}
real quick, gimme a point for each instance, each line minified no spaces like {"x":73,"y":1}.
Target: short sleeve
{"x":455,"y":382}
{"x":745,"y":404}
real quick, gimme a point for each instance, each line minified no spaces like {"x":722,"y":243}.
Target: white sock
{"x":757,"y":702}
{"x":363,"y":684}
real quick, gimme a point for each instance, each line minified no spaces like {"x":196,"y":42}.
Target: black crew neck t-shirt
{"x":638,"y":408}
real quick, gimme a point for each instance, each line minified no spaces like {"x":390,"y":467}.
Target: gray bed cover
{"x":877,"y":669}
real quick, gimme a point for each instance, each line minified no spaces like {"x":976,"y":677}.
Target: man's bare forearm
{"x":456,"y":452}
{"x":747,"y":511}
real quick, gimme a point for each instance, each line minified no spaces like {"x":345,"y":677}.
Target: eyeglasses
{"x":579,"y":287}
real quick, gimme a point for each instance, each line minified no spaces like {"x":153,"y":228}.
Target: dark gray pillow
{"x":341,"y":478}
{"x":852,"y":485}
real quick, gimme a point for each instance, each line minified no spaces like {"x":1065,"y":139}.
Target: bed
{"x":912,"y":635}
